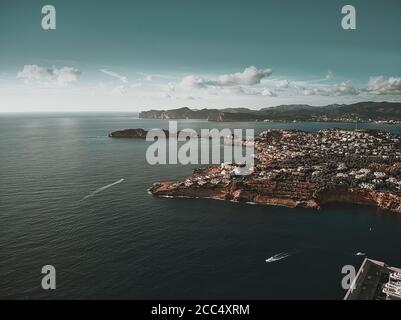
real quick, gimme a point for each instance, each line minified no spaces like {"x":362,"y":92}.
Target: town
{"x":307,"y":169}
{"x":359,"y":158}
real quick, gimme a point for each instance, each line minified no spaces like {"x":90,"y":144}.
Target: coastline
{"x":300,"y":175}
{"x":384,"y":201}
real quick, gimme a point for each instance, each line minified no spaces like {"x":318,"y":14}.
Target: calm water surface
{"x":124,"y":243}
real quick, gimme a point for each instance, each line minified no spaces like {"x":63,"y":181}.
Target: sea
{"x":75,"y":199}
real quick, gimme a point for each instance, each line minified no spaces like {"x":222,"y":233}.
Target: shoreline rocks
{"x":292,"y":195}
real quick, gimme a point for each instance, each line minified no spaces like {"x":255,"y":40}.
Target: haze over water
{"x":121,"y":242}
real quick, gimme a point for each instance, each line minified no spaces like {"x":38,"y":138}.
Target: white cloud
{"x":116,"y":75}
{"x":384,"y":85}
{"x":282,"y":84}
{"x":343,"y":89}
{"x":267,"y":93}
{"x":251,"y":91}
{"x":249,"y":77}
{"x":37,"y":75}
{"x":192,"y":82}
{"x":66,"y":75}
{"x":250,"y":87}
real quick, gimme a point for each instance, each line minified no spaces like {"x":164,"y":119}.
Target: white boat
{"x":278,"y":257}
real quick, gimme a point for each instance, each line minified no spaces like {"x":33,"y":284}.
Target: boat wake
{"x":360,"y":254}
{"x":278,"y":257}
{"x":102,"y":189}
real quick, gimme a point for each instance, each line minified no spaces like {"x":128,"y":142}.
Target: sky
{"x":129,"y":55}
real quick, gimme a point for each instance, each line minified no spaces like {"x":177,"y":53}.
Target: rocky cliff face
{"x":260,"y":191}
{"x":300,"y":169}
{"x":386,"y":201}
{"x":289,"y":194}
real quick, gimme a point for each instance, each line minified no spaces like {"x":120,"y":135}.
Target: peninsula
{"x":303,"y":169}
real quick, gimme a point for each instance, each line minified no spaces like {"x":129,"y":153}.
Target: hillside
{"x":363,"y":111}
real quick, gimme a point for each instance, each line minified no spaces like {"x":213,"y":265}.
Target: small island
{"x":139,"y":133}
{"x":304,"y":169}
{"x":129,"y":133}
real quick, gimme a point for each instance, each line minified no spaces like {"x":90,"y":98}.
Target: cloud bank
{"x":384,"y":85}
{"x":345,"y":88}
{"x":37,"y":75}
{"x":249,"y":77}
{"x":249,"y":87}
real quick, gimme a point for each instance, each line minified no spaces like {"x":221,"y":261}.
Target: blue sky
{"x":134,"y":55}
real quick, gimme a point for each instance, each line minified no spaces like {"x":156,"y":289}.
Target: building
{"x":376,"y":281}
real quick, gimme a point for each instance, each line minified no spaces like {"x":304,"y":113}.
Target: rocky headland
{"x":301,"y":169}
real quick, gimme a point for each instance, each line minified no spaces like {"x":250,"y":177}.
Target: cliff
{"x":310,"y":170}
{"x":290,"y":194}
{"x":382,"y":200}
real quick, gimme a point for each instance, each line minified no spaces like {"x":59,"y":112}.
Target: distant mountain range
{"x":362,"y":111}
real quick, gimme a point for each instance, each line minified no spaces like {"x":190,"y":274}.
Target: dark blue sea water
{"x":124,"y":243}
